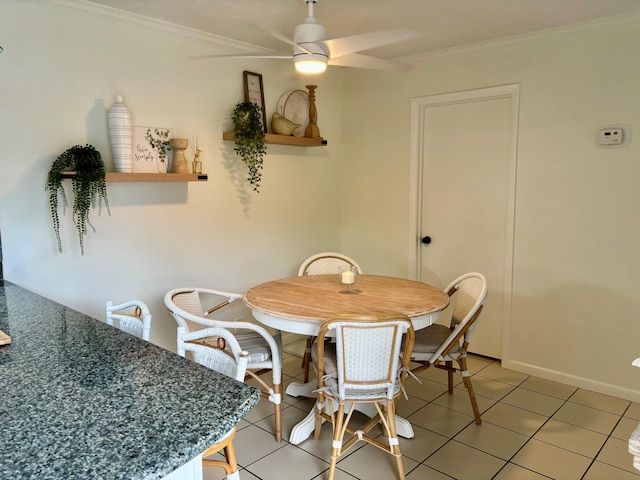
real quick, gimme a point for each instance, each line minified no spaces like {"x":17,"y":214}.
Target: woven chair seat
{"x":429,"y":339}
{"x":252,"y":342}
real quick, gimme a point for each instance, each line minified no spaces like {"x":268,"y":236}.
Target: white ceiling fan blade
{"x":364,"y":61}
{"x":284,"y":39}
{"x":281,"y":37}
{"x":365,"y":41}
{"x":247,"y":55}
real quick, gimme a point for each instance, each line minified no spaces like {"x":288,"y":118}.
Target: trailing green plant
{"x":88,"y":185}
{"x":248,"y":135}
{"x":160,"y":143}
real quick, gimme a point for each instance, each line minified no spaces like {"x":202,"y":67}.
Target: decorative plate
{"x":294,"y":105}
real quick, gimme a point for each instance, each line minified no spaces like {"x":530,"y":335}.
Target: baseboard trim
{"x":579,"y":382}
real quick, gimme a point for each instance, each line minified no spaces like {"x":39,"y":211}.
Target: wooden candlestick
{"x":312,"y":130}
{"x":179,"y":145}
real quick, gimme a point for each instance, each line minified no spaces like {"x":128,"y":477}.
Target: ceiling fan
{"x":312,"y":51}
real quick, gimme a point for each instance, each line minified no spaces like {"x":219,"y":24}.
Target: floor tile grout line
{"x":521,"y":385}
{"x":550,"y":417}
{"x":620,"y":416}
{"x":452,"y":438}
{"x":605,"y":442}
{"x":520,"y":466}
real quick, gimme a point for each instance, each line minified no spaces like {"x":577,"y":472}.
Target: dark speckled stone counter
{"x":82,"y":400}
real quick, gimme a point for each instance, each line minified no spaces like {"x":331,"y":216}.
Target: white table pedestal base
{"x":295,"y":389}
{"x":304,"y":429}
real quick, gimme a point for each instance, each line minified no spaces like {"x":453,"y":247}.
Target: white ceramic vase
{"x":120,"y":136}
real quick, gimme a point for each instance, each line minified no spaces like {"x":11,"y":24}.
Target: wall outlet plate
{"x":609,"y":136}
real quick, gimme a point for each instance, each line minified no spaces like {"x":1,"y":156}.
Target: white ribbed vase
{"x":120,"y":136}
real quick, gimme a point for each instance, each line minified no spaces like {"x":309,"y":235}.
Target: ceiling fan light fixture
{"x":310,"y":58}
{"x":313,"y":50}
{"x":309,"y":64}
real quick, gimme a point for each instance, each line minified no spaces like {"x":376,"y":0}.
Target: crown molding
{"x":88,"y":9}
{"x":615,"y":22}
{"x":103,"y":13}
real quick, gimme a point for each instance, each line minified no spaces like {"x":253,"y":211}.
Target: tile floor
{"x":532,"y":429}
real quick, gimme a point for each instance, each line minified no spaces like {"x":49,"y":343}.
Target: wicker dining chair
{"x":132,"y":317}
{"x":364,"y":365}
{"x":326,"y":263}
{"x":227,"y":357}
{"x":265,"y":350}
{"x":441,"y":345}
{"x":322,"y":264}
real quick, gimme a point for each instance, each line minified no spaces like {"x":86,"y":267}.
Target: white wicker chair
{"x":364,"y":365}
{"x":322,"y":264}
{"x":265,"y":350}
{"x":325,"y":263}
{"x":226,"y":357}
{"x":136,"y":321}
{"x":440,"y":346}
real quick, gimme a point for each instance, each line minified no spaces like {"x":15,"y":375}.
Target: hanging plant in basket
{"x":88,"y":185}
{"x":248,"y":135}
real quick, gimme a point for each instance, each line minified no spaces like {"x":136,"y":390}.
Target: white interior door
{"x":464,"y":149}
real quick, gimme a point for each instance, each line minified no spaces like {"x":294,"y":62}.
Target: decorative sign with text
{"x":146,"y":159}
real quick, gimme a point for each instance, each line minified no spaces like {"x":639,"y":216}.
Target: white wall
{"x":59,"y":74}
{"x":576,"y":308}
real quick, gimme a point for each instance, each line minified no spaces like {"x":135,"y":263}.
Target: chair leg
{"x":336,"y":446}
{"x":394,"y":445}
{"x":230,"y":465}
{"x":466,"y":378}
{"x":449,"y":366}
{"x":274,"y":395}
{"x":324,"y":411}
{"x":306,"y":359}
{"x":233,"y":476}
{"x":319,"y":408}
{"x":230,"y":453}
{"x":277,"y":390}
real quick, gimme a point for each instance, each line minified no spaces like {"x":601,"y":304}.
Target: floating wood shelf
{"x":286,"y":140}
{"x":147,"y":177}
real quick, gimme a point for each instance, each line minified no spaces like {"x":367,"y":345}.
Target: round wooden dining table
{"x":301,"y":304}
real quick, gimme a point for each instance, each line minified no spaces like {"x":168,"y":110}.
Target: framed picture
{"x":254,"y":92}
{"x":146,"y":158}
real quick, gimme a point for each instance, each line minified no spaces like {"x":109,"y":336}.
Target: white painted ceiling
{"x":441,"y":23}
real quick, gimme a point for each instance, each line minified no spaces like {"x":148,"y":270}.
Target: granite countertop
{"x":80,"y":399}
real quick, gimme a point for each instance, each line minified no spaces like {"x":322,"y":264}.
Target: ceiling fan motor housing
{"x":308,"y":39}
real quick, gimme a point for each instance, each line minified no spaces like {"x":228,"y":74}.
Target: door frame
{"x":419,"y":107}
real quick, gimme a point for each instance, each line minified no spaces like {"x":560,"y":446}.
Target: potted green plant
{"x":248,"y":135}
{"x":88,"y":185}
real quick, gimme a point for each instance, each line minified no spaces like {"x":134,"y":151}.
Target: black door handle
{"x":426,"y":240}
